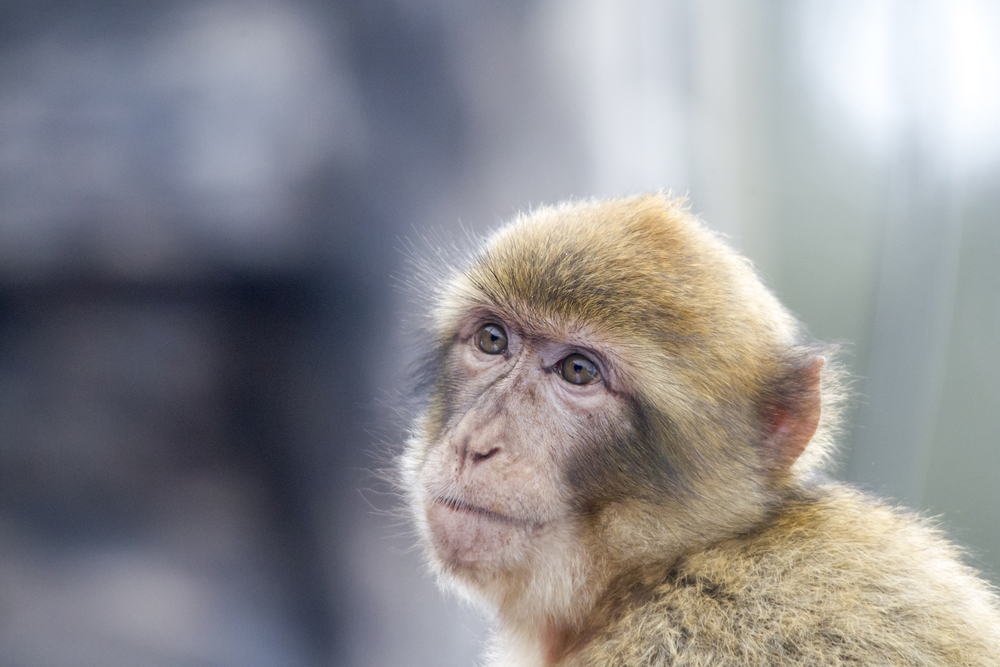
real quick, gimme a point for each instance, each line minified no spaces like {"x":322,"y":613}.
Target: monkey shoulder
{"x":833,"y":578}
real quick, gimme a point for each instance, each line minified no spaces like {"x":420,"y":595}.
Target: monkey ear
{"x":791,"y":418}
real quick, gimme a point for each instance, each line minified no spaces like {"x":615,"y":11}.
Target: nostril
{"x":477,"y":457}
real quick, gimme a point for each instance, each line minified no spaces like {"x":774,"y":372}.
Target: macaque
{"x":620,"y":454}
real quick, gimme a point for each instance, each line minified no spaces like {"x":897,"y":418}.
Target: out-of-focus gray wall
{"x":204,"y":215}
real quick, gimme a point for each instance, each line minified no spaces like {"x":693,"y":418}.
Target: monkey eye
{"x":578,"y":369}
{"x":492,"y":339}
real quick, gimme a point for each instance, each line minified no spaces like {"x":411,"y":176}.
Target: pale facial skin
{"x":523,"y":404}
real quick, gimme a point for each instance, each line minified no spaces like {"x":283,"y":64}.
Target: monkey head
{"x":608,"y":383}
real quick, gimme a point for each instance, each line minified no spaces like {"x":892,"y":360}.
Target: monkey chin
{"x":473,"y":540}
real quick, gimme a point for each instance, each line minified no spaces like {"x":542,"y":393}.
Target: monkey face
{"x":521,"y":403}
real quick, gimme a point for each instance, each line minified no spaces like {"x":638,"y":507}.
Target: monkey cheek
{"x":470,"y":541}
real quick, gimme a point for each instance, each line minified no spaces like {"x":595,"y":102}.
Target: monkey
{"x":621,"y":455}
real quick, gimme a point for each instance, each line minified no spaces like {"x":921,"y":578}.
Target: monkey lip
{"x":460,"y":506}
{"x":470,"y":537}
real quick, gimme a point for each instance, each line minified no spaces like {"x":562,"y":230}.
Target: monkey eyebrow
{"x":461,"y":506}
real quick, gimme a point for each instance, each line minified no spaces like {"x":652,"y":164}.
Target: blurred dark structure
{"x":201,"y":211}
{"x":192,"y":290}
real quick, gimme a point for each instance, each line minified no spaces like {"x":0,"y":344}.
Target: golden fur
{"x":737,"y":553}
{"x":832,"y":578}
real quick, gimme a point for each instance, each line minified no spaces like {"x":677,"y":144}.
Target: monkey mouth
{"x":460,"y":506}
{"x":469,"y":538}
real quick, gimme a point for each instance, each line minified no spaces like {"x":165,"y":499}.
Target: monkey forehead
{"x":633,"y":268}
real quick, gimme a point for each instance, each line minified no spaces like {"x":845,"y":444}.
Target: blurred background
{"x":204,"y":214}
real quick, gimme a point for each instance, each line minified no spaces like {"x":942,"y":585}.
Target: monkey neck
{"x":543,"y":622}
{"x":557,"y":643}
{"x":548,"y":645}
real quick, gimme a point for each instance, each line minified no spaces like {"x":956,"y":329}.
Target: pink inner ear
{"x":792,"y":422}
